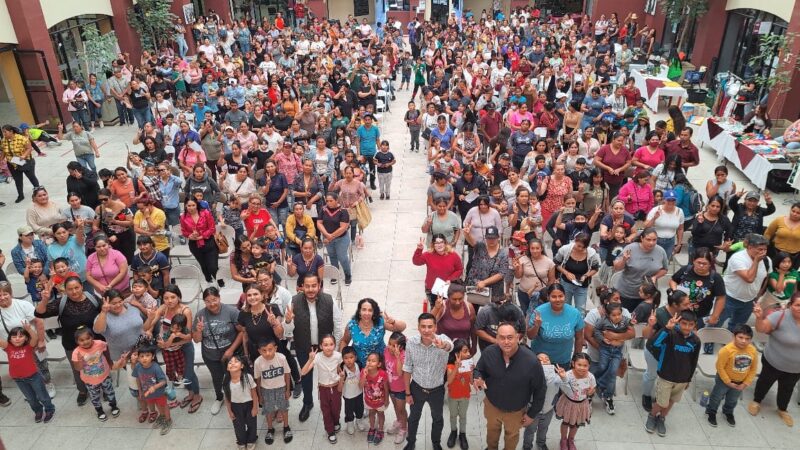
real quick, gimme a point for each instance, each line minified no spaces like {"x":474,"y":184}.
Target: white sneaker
{"x":215,"y":407}
{"x":400,"y":437}
{"x":394,"y":428}
{"x":350,"y":428}
{"x":362,"y":424}
{"x":51,"y":390}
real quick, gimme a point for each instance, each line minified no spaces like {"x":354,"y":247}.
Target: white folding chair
{"x":636,"y":359}
{"x":707,"y":364}
{"x":540,"y":132}
{"x":384,"y":97}
{"x":55,"y":351}
{"x":189,"y":278}
{"x":178,"y":250}
{"x":333,"y":273}
{"x":282,"y":273}
{"x":17,"y":282}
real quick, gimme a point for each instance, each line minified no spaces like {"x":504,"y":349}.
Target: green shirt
{"x":790,"y":280}
{"x":419,"y":73}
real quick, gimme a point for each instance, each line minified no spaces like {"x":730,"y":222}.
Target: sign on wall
{"x":361,"y":7}
{"x":188,"y":13}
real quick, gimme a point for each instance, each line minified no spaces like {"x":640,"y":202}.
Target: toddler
{"x":176,"y":336}
{"x":20,"y":349}
{"x":375,"y":383}
{"x":35,"y":279}
{"x":352,"y":392}
{"x":89,"y":359}
{"x":610,"y":352}
{"x":61,"y":271}
{"x":538,"y":429}
{"x":151,"y":383}
{"x":140,"y":297}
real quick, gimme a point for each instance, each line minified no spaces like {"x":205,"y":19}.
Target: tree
{"x":98,"y":50}
{"x":774,"y":63}
{"x":153,"y":21}
{"x":683,"y":13}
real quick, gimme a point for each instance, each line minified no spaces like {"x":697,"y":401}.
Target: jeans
{"x":650,"y":375}
{"x":769,"y":375}
{"x":182,"y":46}
{"x":173,"y":215}
{"x":35,"y":393}
{"x":606,"y":370}
{"x":188,"y":371}
{"x":82,"y":117}
{"x":790,"y":145}
{"x":575,"y":295}
{"x":414,"y":139}
{"x":245,"y":424}
{"x":538,"y":430}
{"x":435,"y":399}
{"x":217,"y":369}
{"x":338,"y":252}
{"x":125,"y":114}
{"x":96,"y":112}
{"x":737,"y":311}
{"x":279,"y":215}
{"x":142,"y":115}
{"x":96,"y":392}
{"x":668,"y":244}
{"x":353,"y":230}
{"x":87,"y":161}
{"x":458,"y":408}
{"x":524,"y":300}
{"x":719,"y":392}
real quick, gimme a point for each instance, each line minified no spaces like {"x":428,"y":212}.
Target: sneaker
{"x":159,"y":421}
{"x":462,"y":441}
{"x":114,"y":410}
{"x":51,"y":390}
{"x":383,"y":196}
{"x":661,"y":426}
{"x":378,"y":437}
{"x":400,"y":436}
{"x":287,"y":435}
{"x":362,"y":424}
{"x":337,"y":428}
{"x":394,"y":428}
{"x":451,"y":440}
{"x":371,"y":436}
{"x":647,"y":403}
{"x":48,"y":416}
{"x":334,"y":281}
{"x":269,"y":439}
{"x":712,"y":419}
{"x":332,"y":438}
{"x":82,"y":398}
{"x":215,"y":407}
{"x":4,"y":400}
{"x":298,"y":390}
{"x":221,"y":283}
{"x":609,"y":406}
{"x":388,"y":197}
{"x":102,"y":125}
{"x":38,"y":416}
{"x":787,"y":419}
{"x":350,"y":428}
{"x":730,"y":419}
{"x":166,"y":425}
{"x":753,"y":408}
{"x":650,"y":425}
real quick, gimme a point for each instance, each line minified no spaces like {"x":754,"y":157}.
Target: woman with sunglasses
{"x":115,"y":220}
{"x":43,"y":213}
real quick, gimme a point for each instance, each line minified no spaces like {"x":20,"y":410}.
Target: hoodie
{"x":678,"y":354}
{"x":86,"y":187}
{"x":207,"y":185}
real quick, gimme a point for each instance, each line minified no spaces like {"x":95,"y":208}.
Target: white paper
{"x":440,"y":287}
{"x":18,"y":161}
{"x":549,"y":371}
{"x":471,"y":197}
{"x":466,"y":366}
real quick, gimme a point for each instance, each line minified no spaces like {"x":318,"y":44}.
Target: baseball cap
{"x":669,"y":195}
{"x":752,"y":195}
{"x":21,"y":231}
{"x":492,"y":233}
{"x":560,"y":95}
{"x":505,"y":156}
{"x":24,"y":126}
{"x":519,"y":236}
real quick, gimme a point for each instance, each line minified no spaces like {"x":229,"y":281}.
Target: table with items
{"x":755,"y":155}
{"x":653,"y":87}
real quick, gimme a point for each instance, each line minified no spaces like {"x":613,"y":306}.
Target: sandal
{"x":143,"y":416}
{"x":195,"y":406}
{"x":186,"y":401}
{"x":152,"y":417}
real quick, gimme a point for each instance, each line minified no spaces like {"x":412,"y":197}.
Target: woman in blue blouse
{"x":555,"y":328}
{"x":366,"y":329}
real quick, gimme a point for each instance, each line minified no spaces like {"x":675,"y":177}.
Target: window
{"x":399,"y":5}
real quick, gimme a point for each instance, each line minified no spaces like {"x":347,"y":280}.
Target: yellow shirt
{"x":784,"y":238}
{"x":159,"y":219}
{"x":737,"y":365}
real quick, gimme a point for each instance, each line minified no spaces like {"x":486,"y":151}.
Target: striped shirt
{"x":427,"y":364}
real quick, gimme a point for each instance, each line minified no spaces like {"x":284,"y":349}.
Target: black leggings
{"x":769,"y":375}
{"x":207,"y":256}
{"x":217,"y":369}
{"x":30,"y":172}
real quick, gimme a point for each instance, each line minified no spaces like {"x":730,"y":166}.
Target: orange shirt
{"x":124,"y":192}
{"x":459,"y":388}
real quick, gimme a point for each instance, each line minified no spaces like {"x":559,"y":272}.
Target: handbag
{"x":426,"y":133}
{"x":363,"y":214}
{"x":222,"y":242}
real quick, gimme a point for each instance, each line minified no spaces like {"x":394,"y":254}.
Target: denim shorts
{"x":399,"y":395}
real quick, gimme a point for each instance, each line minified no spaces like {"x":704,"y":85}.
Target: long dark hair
{"x":376,"y":311}
{"x":244,"y":381}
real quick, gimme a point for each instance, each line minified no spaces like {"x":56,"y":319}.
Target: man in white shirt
{"x":745,"y":280}
{"x":209,"y":49}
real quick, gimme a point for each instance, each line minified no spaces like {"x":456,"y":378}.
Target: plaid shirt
{"x":15,"y":146}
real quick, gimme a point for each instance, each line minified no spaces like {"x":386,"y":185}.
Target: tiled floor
{"x":383,"y":271}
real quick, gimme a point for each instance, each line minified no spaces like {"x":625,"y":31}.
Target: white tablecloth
{"x":725,"y":145}
{"x":665,"y":91}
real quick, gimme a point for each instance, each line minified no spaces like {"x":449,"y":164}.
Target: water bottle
{"x":704,"y":399}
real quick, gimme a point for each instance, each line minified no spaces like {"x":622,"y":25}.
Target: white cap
{"x":560,"y":95}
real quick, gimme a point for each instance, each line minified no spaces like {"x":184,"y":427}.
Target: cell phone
{"x":569,"y":210}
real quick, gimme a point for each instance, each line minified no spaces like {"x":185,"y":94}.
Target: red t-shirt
{"x":257,"y":222}
{"x":21,"y":362}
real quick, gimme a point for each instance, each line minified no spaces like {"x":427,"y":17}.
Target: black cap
{"x":492,"y":233}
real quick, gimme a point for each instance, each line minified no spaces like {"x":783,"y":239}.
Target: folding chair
{"x":179,"y":250}
{"x":17,"y":282}
{"x":189,"y":278}
{"x":707,"y":364}
{"x":636,"y":356}
{"x":283,"y":273}
{"x":55,"y":351}
{"x":332,"y":273}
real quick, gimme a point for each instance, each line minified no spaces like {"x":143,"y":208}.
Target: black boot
{"x":647,"y":403}
{"x":451,"y":440}
{"x":462,"y":440}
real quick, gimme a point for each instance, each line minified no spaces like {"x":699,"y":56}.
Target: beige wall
{"x":780,"y":8}
{"x":340,"y":9}
{"x":7,"y":34}
{"x":56,"y":11}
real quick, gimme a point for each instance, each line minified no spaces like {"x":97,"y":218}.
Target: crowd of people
{"x":543,"y":168}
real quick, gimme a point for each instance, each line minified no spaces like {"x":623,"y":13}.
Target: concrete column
{"x":31,"y":30}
